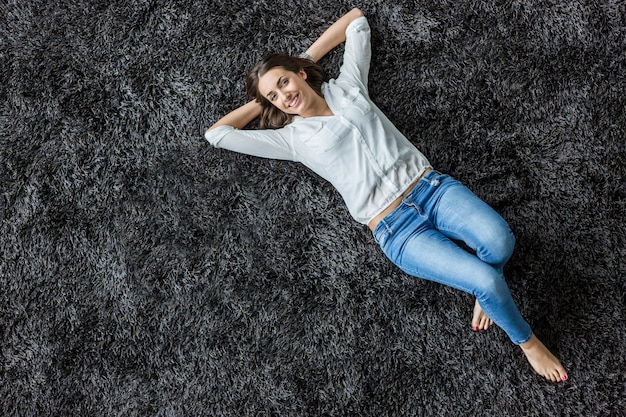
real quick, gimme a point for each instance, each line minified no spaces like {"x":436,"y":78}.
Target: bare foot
{"x":480,"y":321}
{"x":543,"y":361}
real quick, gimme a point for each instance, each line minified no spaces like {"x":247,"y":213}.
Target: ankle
{"x":532,"y":343}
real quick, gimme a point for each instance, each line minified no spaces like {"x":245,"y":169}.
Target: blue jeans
{"x":419,"y":236}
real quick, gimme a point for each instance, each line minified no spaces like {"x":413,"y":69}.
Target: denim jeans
{"x":419,"y":236}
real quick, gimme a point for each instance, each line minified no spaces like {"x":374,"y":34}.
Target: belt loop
{"x":435,"y":181}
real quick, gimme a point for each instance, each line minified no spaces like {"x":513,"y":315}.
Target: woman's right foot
{"x":480,"y":321}
{"x":543,"y":361}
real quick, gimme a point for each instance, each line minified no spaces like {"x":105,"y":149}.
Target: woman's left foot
{"x":543,"y":361}
{"x":480,"y":320}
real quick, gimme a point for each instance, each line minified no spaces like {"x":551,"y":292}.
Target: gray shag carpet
{"x":145,"y":273}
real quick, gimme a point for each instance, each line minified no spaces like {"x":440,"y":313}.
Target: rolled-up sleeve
{"x":357,"y":54}
{"x":271,"y":144}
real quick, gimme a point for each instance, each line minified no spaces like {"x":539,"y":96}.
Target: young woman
{"x":414,"y":212}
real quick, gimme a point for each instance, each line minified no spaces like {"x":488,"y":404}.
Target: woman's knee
{"x":504,"y":247}
{"x":491,"y":286}
{"x":499,"y":248}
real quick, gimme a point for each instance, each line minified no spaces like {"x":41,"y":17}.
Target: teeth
{"x":293,"y":102}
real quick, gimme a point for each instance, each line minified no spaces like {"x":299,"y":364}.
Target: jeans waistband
{"x":430,"y":179}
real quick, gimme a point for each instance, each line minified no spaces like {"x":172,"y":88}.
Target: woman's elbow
{"x":211,"y":128}
{"x":219,"y":123}
{"x":356,"y":12}
{"x":211,"y":135}
{"x":207,"y":134}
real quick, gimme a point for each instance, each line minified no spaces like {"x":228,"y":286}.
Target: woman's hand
{"x":333,"y":36}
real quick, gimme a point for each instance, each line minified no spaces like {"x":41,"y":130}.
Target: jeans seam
{"x":387,"y":228}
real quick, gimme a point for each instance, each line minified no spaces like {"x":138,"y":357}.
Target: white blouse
{"x":358,"y":150}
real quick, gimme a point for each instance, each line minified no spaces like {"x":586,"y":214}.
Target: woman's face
{"x":287,"y":90}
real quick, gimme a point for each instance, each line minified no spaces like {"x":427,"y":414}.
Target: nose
{"x":286,"y":97}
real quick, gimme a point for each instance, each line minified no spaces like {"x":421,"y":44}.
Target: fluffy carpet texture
{"x":145,"y":273}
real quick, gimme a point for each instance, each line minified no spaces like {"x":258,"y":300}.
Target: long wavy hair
{"x":271,"y":117}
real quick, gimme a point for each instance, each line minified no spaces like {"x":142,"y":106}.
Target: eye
{"x":284,"y":82}
{"x":272,"y":97}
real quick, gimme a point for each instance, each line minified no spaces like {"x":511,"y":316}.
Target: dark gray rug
{"x":143,"y":272}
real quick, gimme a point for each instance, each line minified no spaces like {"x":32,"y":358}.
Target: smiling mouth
{"x":293,"y":103}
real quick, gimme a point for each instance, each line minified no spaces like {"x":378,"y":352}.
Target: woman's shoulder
{"x":342,"y":92}
{"x":341,"y":86}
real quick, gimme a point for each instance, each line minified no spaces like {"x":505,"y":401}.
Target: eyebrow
{"x":277,"y":85}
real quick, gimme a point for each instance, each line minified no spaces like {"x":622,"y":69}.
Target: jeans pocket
{"x":382,"y":233}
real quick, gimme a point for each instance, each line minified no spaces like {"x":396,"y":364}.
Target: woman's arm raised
{"x":240,"y":117}
{"x":333,"y":36}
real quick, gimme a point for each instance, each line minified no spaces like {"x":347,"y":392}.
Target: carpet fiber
{"x":143,"y":272}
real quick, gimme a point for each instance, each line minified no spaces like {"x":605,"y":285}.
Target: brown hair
{"x":271,"y":117}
